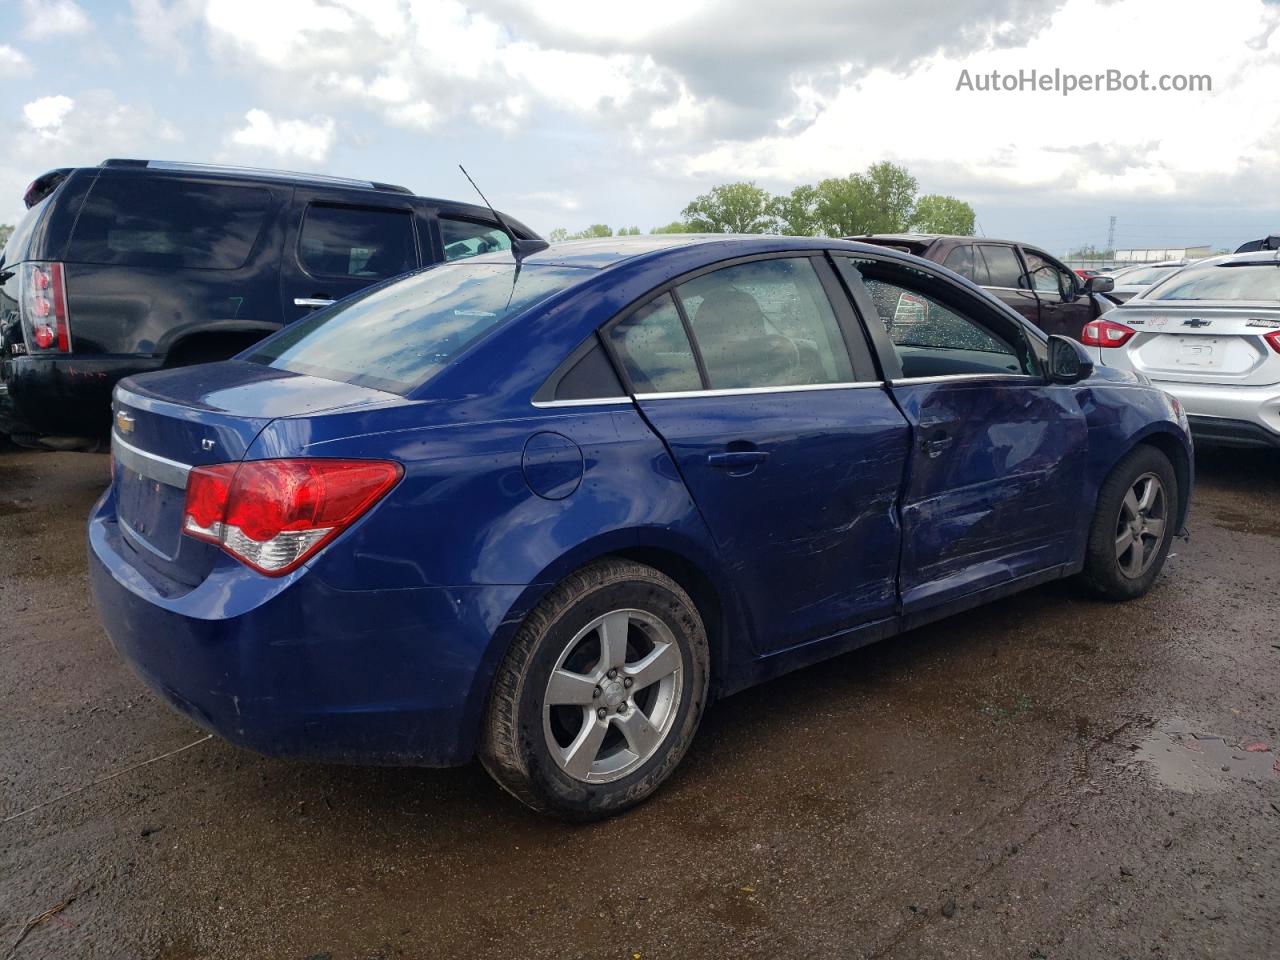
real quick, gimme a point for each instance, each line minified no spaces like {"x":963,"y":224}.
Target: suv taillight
{"x":1106,"y":333}
{"x":43,"y":297}
{"x":273,"y":515}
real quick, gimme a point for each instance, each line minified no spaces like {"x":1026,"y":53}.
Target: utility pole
{"x":1111,"y":237}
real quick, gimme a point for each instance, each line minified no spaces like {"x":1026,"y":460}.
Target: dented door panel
{"x":995,"y":483}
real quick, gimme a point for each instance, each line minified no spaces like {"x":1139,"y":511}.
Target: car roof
{"x":253,"y":173}
{"x":317,"y":180}
{"x":604,"y":252}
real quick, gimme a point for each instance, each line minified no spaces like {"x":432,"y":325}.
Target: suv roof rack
{"x":260,"y":172}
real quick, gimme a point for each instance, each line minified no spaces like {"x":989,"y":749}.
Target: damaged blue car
{"x":541,"y":509}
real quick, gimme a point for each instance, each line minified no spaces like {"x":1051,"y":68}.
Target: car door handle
{"x":737,"y":458}
{"x":933,"y":446}
{"x":311,"y":302}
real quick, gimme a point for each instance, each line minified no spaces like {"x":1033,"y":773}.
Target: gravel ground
{"x":1047,"y":777}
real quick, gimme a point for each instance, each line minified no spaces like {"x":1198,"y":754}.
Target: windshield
{"x":397,"y":336}
{"x":1222,"y":281}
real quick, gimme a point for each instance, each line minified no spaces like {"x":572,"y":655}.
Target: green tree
{"x":795,"y":214}
{"x":946,"y":215}
{"x":878,"y":201}
{"x":675,"y":226}
{"x":730,"y":208}
{"x":629,"y":232}
{"x":558,"y":234}
{"x":6,"y":231}
{"x":595,"y":230}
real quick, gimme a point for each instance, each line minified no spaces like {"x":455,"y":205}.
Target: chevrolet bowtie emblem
{"x":1196,"y":323}
{"x":124,"y":421}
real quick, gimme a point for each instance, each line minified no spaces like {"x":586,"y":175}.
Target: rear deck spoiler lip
{"x":44,"y":185}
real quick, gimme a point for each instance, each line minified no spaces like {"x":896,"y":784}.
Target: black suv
{"x":135,"y":265}
{"x":1040,"y":287}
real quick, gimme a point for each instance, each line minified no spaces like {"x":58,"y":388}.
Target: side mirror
{"x":1069,"y":361}
{"x":1099,"y":285}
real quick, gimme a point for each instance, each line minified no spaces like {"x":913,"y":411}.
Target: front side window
{"x":368,"y":243}
{"x":1045,"y":276}
{"x":1257,"y":282}
{"x":394,"y":337}
{"x":767,"y":323}
{"x":468,"y":238}
{"x":654,"y":350}
{"x":1003,"y":267}
{"x":168,"y":222}
{"x":935,"y":337}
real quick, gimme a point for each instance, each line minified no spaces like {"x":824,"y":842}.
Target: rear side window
{"x":1003,"y":267}
{"x":467,"y":238}
{"x":767,"y":323}
{"x":369,"y":243}
{"x":654,"y":350}
{"x":961,"y":261}
{"x":164,"y":222}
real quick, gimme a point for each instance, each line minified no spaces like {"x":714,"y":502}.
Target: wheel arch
{"x":191,"y":342}
{"x":1179,"y":453}
{"x":691,"y":565}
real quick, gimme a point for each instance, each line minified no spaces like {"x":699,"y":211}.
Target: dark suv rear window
{"x":165,"y":222}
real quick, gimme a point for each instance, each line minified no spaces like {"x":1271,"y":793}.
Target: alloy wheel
{"x":613,"y":696}
{"x":1141,"y":526}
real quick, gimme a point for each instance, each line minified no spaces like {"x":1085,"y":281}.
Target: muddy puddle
{"x":1180,"y":757}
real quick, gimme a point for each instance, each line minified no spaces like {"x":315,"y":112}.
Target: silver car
{"x":1210,"y":336}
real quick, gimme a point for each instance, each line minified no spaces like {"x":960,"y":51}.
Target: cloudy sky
{"x":570,"y":112}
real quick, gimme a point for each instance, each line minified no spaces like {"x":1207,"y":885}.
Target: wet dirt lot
{"x":1048,"y":777}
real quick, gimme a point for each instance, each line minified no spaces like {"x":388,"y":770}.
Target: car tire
{"x":595,"y":743}
{"x":1129,"y":539}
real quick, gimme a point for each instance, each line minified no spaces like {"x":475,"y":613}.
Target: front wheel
{"x":1133,"y":526}
{"x":600,"y":694}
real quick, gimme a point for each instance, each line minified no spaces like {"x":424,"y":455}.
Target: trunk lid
{"x":165,"y":423}
{"x":1202,"y":342}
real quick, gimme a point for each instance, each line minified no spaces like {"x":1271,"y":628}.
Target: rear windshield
{"x":167,"y":222}
{"x":1252,"y":282}
{"x":1144,"y":275}
{"x":396,"y":336}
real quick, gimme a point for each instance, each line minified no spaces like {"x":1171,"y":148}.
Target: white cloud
{"x":1159,"y":143}
{"x":301,"y":139}
{"x":51,"y":18}
{"x":164,"y":26}
{"x":12,"y":61}
{"x":46,"y":114}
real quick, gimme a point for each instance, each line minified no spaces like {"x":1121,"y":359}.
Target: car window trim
{"x":670,"y":287}
{"x":318,"y":201}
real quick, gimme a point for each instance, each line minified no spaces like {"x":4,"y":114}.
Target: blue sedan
{"x":543,"y":511}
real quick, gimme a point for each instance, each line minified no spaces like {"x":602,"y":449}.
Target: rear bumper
{"x":65,"y":395}
{"x":1248,"y":416}
{"x":293,"y":667}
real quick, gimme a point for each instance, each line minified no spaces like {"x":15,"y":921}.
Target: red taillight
{"x":1106,"y":333}
{"x":274,"y":514}
{"x":1273,"y":338}
{"x":44,"y":305}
